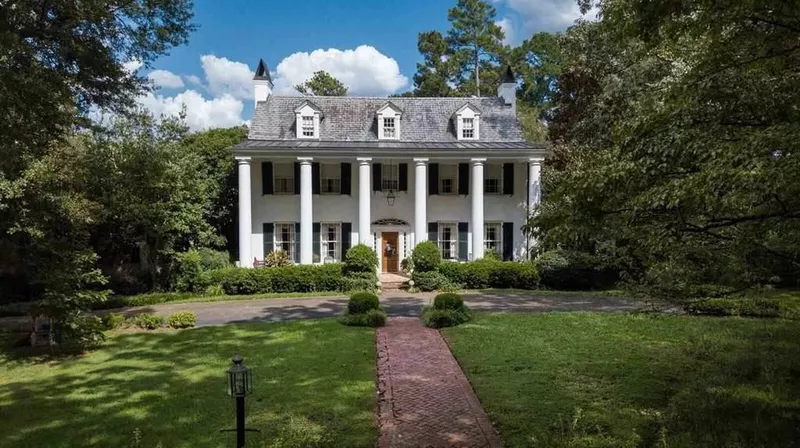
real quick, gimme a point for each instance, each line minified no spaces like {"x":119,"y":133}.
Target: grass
{"x":314,"y":386}
{"x":613,"y":380}
{"x":764,"y":303}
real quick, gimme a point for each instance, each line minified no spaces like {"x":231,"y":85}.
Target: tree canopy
{"x":322,"y":84}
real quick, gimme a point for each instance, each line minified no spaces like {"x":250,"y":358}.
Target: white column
{"x":476,"y":226}
{"x":534,"y":184}
{"x":245,"y":212}
{"x":306,"y":212}
{"x":420,"y":201}
{"x":364,"y":196}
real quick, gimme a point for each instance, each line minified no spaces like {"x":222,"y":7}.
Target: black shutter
{"x":403,"y":174}
{"x":266,"y":178}
{"x":296,"y":177}
{"x":376,"y":177}
{"x":433,"y":232}
{"x":508,"y":241}
{"x":463,"y":240}
{"x":347,"y":229}
{"x":433,"y":179}
{"x":347,"y":177}
{"x":269,"y":238}
{"x":508,"y":178}
{"x":463,"y":178}
{"x":315,"y":178}
{"x":297,"y":242}
{"x":316,"y":240}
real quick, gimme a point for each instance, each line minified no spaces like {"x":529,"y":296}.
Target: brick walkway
{"x":425,"y":399}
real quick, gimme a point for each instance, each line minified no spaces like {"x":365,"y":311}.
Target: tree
{"x":435,"y":72}
{"x":62,"y":60}
{"x":322,"y":84}
{"x":475,"y":42}
{"x":674,"y":132}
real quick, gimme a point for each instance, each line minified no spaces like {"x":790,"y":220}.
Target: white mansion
{"x":319,"y":174}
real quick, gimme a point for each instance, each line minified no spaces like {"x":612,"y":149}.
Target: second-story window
{"x":307,"y":124}
{"x":493,"y":181}
{"x":448,"y":179}
{"x":284,"y":178}
{"x":330,"y":178}
{"x":389,"y":129}
{"x":389,"y":177}
{"x":468,"y":128}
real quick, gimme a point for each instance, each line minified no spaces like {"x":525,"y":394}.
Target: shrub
{"x":146,"y":321}
{"x":298,"y":278}
{"x":754,"y":307}
{"x":182,"y":319}
{"x":428,"y":281}
{"x":328,"y":277}
{"x":234,"y":281}
{"x":359,"y":281}
{"x":569,"y":270}
{"x":510,"y":274}
{"x":189,"y":266}
{"x":453,"y":271}
{"x":440,"y":318}
{"x":426,"y":257}
{"x":477,"y":273}
{"x":448,"y":301}
{"x":113,"y":321}
{"x":372,"y":318}
{"x":277,"y":258}
{"x":360,"y":258}
{"x":361,"y":302}
{"x":407,"y":265}
{"x":214,"y":290}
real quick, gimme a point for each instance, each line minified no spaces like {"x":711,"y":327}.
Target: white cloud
{"x":201,"y":113}
{"x":546,"y":15}
{"x":508,"y":30}
{"x":132,"y":66}
{"x":228,"y":77}
{"x":364,"y":70}
{"x":165,"y":79}
{"x":194,"y":80}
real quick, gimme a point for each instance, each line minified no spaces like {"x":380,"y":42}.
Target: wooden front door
{"x":391,"y":252}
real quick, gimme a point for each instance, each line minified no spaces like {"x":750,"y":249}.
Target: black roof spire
{"x":262,"y":71}
{"x":508,"y":76}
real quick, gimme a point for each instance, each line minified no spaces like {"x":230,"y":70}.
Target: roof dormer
{"x":389,"y":121}
{"x":467,"y":122}
{"x":308,"y":116}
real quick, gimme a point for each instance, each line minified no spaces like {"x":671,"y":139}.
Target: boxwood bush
{"x":482,"y":274}
{"x":428,"y":281}
{"x":360,"y":258}
{"x":448,"y":310}
{"x":364,"y":310}
{"x":361,"y":302}
{"x":284,"y":279}
{"x":426,"y":257}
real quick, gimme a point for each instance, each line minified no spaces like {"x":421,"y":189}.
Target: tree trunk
{"x":477,"y":71}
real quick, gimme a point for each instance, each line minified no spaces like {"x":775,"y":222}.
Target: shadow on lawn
{"x":309,"y":390}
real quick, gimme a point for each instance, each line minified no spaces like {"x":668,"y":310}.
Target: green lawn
{"x":314,"y":386}
{"x":613,"y":380}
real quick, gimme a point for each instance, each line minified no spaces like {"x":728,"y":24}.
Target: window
{"x":331,"y":238}
{"x":390,"y":174}
{"x":448,"y":241}
{"x":284,"y":178}
{"x":285,"y":238}
{"x":468,"y":128}
{"x":493,"y":180}
{"x":389,"y":128}
{"x":330,"y":178}
{"x":448,"y":179}
{"x":307,"y":126}
{"x":492,"y":237}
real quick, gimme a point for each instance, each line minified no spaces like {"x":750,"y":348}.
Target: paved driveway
{"x":396,"y":304}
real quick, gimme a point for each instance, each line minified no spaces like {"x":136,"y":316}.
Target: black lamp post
{"x":240,"y":384}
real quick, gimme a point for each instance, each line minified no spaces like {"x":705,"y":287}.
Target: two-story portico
{"x":319,"y":174}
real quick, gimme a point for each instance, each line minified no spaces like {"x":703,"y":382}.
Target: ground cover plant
{"x":613,"y":380}
{"x":314,"y":386}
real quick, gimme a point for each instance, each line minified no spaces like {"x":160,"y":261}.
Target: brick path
{"x":425,"y":399}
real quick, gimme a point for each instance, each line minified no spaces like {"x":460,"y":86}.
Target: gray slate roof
{"x":352,"y":119}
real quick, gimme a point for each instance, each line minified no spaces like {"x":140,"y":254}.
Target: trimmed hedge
{"x":448,"y":310}
{"x":482,"y":274}
{"x":360,"y":258}
{"x":448,"y":301}
{"x":299,"y":278}
{"x":361,"y":302}
{"x":364,"y":310}
{"x":428,"y":281}
{"x":426,"y":257}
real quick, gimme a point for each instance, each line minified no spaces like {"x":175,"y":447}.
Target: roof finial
{"x":262,"y":71}
{"x":508,"y":76}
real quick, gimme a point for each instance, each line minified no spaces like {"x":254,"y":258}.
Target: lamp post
{"x":240,"y":384}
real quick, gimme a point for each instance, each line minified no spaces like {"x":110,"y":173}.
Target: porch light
{"x":390,"y":198}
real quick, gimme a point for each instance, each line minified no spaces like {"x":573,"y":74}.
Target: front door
{"x":391,"y":254}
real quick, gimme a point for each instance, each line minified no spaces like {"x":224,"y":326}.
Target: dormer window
{"x":467,"y":122}
{"x":389,"y":121}
{"x":308,"y":118}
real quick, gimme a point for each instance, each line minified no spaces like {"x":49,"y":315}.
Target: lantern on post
{"x":390,"y":198}
{"x":240,"y":384}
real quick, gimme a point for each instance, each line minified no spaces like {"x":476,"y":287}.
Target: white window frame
{"x":283,"y":183}
{"x":388,"y":114}
{"x":306,"y":115}
{"x":325,"y":242}
{"x":330,"y":178}
{"x":390,"y":177}
{"x":448,"y":245}
{"x":307,"y":125}
{"x":468,"y":119}
{"x":389,"y":127}
{"x":279,"y":243}
{"x":452,"y":177}
{"x":493,"y":179}
{"x":468,"y":126}
{"x":493,"y":244}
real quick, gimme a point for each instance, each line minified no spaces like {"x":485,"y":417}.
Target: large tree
{"x":322,"y":84}
{"x":675,"y":132}
{"x":60,"y":61}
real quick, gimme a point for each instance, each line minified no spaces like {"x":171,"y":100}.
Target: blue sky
{"x":371,"y":46}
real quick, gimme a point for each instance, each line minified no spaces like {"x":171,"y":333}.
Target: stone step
{"x":392,"y":286}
